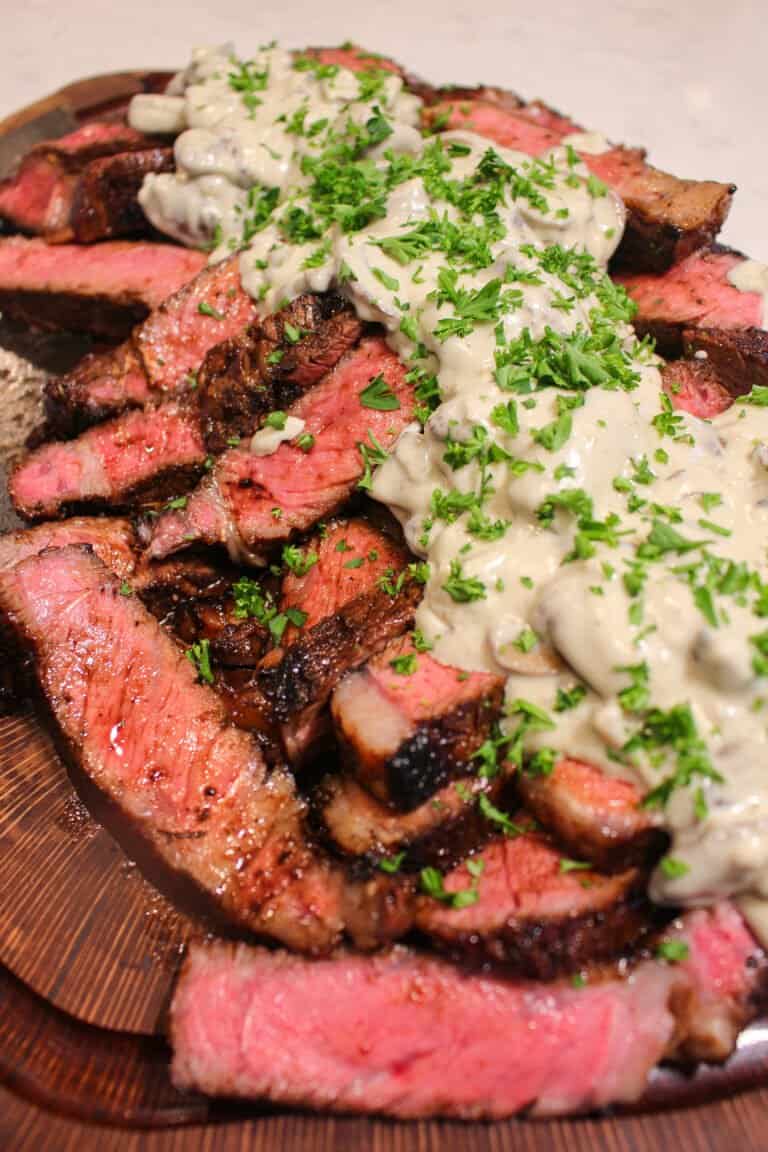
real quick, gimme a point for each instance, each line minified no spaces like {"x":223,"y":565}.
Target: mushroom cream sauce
{"x":603,"y":551}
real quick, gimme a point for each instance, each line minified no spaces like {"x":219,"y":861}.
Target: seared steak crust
{"x":39,"y":197}
{"x":405,"y":734}
{"x":738,"y":358}
{"x":105,"y":203}
{"x":299,"y":682}
{"x":441,"y":831}
{"x":161,"y":357}
{"x":266,"y":368}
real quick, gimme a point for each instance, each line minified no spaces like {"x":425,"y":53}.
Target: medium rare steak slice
{"x":39,"y":197}
{"x":104,"y":290}
{"x":695,"y":386}
{"x":298,"y":682}
{"x":154,"y":740}
{"x":737,"y":358}
{"x":251,"y":503}
{"x":728,"y":982}
{"x":162,"y":355}
{"x":147,"y":453}
{"x":593,"y":814}
{"x":248,"y":375}
{"x":407,"y":724}
{"x":106,"y":198}
{"x":111,"y":539}
{"x":442,"y":830}
{"x":153,"y":452}
{"x":668,"y":218}
{"x":407,"y":1035}
{"x":533,"y":910}
{"x":346,"y":559}
{"x":695,"y":293}
{"x":174,"y":340}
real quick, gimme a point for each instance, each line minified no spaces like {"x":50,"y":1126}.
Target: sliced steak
{"x":251,"y":503}
{"x":695,"y":386}
{"x":408,"y":1035}
{"x":106,"y":198}
{"x":161,"y":357}
{"x":133,"y":716}
{"x":298,"y":683}
{"x":441,"y":831}
{"x":112,"y":540}
{"x":737,"y":358}
{"x":39,"y":197}
{"x":695,"y":293}
{"x":143,"y":454}
{"x":535,"y":911}
{"x":104,"y":290}
{"x":233,"y":642}
{"x":667,"y":218}
{"x":248,"y":375}
{"x":728,"y":982}
{"x":346,"y":559}
{"x":594,"y":814}
{"x":407,"y":724}
{"x":354,"y":57}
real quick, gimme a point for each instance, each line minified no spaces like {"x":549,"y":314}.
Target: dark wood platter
{"x":89,"y":949}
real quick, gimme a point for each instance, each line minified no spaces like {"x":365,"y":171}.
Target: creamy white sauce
{"x":267,"y":440}
{"x":752,"y":276}
{"x":157,"y":114}
{"x":591,"y":530}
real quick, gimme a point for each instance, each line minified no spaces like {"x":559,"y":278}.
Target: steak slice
{"x":406,"y":732}
{"x":147,"y":453}
{"x":141,"y":454}
{"x":667,"y":218}
{"x":298,"y":682}
{"x":106,"y":198}
{"x":408,"y":1035}
{"x":696,"y":387}
{"x":346,"y":559}
{"x":728,"y":982}
{"x":162,"y":355}
{"x":738,"y":358}
{"x":695,"y":293}
{"x":112,"y":540}
{"x":39,"y":197}
{"x":104,"y":290}
{"x":442,"y":830}
{"x":251,"y":503}
{"x":594,"y":814}
{"x":534,"y":911}
{"x":248,"y":375}
{"x":154,"y":740}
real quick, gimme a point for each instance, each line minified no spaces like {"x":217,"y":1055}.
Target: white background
{"x":687,"y":79}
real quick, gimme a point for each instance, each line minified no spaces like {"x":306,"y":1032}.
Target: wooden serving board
{"x":89,"y":950}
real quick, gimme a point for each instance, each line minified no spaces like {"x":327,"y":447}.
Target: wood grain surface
{"x":90,"y":950}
